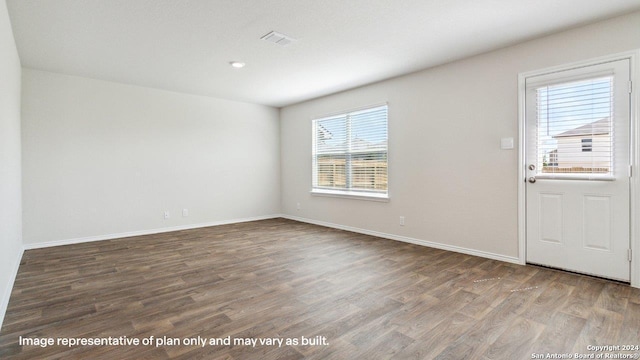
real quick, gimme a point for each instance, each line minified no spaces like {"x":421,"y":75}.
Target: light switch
{"x":506,"y":143}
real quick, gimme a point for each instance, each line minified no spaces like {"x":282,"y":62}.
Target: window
{"x":575,"y":132}
{"x":350,"y":154}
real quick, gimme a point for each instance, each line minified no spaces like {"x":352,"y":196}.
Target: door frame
{"x":634,"y":129}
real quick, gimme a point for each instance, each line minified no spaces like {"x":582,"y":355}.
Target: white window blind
{"x":350,"y":153}
{"x":575,"y":134}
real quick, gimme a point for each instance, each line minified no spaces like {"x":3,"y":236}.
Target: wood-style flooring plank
{"x":370,"y":298}
{"x":559,"y":335}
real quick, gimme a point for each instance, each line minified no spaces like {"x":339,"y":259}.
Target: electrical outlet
{"x":401,"y":220}
{"x":167,"y":215}
{"x":185,"y":212}
{"x":298,"y":206}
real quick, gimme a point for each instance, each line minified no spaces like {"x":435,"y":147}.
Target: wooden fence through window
{"x":366,"y":174}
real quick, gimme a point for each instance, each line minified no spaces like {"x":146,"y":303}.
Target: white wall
{"x":102,"y":158}
{"x":448,"y":175}
{"x":10,"y":172}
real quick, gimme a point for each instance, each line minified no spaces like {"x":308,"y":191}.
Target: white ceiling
{"x":186,"y":45}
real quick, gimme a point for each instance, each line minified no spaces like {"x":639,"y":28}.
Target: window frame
{"x":539,"y":83}
{"x":348,"y":192}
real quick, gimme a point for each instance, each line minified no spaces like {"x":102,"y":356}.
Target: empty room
{"x":304,"y":179}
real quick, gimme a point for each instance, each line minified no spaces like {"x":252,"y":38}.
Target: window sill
{"x":351,"y":195}
{"x":561,"y":176}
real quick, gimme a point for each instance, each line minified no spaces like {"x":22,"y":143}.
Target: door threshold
{"x":579,"y":273}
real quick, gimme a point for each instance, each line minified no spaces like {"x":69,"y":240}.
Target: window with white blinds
{"x":575,"y":133}
{"x":350,"y":153}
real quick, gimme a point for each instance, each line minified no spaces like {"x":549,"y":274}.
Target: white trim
{"x":575,"y":176}
{"x":634,"y":58}
{"x":144,"y":232}
{"x":6,"y":295}
{"x":522,"y":174}
{"x":351,"y":195}
{"x":580,"y":64}
{"x":458,"y":249}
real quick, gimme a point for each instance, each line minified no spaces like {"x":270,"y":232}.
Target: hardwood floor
{"x":370,"y":298}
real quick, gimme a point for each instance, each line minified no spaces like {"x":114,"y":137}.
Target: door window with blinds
{"x":574,"y":129}
{"x":350,"y":153}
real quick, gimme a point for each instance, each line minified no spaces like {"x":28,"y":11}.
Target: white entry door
{"x":577,"y":168}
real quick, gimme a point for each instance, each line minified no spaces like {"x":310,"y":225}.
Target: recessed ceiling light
{"x":237,"y":64}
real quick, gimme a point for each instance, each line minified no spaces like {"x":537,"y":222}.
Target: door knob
{"x":532,"y":179}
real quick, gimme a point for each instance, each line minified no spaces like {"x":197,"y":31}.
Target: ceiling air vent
{"x":277,"y":38}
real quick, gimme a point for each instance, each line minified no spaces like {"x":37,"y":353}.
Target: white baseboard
{"x":458,"y":249}
{"x":6,"y":294}
{"x":144,"y":232}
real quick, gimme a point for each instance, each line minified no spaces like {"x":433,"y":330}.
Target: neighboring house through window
{"x":575,"y":131}
{"x":586,"y":147}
